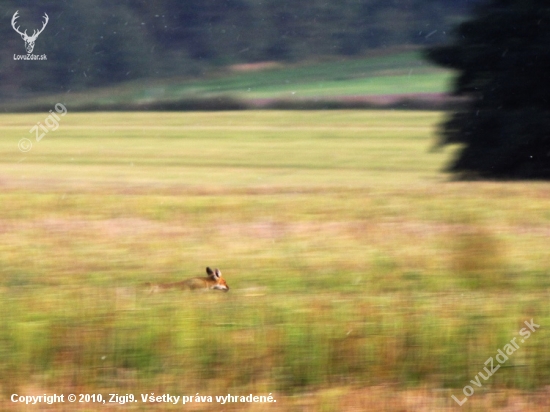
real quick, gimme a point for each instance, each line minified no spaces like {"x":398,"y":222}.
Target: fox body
{"x":213,"y":281}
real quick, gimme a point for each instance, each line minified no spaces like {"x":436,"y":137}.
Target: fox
{"x":213,"y":281}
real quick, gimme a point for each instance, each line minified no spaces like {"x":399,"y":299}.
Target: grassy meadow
{"x":362,"y":277}
{"x":391,"y":72}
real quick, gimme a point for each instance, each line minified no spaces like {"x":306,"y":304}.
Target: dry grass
{"x":361,"y":276}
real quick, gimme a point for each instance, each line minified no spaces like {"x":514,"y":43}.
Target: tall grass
{"x":352,"y":261}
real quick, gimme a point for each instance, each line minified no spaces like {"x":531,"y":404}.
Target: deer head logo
{"x":29,"y":40}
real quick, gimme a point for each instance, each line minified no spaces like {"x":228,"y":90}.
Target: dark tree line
{"x":503,"y":59}
{"x":97,"y":42}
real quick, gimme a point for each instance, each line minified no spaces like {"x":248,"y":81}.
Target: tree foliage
{"x":97,"y":42}
{"x":503,"y":60}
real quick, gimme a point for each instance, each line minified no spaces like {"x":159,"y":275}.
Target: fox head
{"x":215,"y":280}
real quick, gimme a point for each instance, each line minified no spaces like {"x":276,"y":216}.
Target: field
{"x":392,"y":72}
{"x":362,"y":277}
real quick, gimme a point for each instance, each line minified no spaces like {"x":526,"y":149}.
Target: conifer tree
{"x":502,"y":56}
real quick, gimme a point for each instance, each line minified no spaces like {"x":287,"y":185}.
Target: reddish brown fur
{"x":213,"y":281}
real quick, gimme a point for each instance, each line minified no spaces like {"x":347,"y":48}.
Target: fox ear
{"x":218,"y":273}
{"x":209,"y":271}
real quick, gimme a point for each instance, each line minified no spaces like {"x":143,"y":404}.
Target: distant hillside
{"x":381,"y":79}
{"x":95,"y":43}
